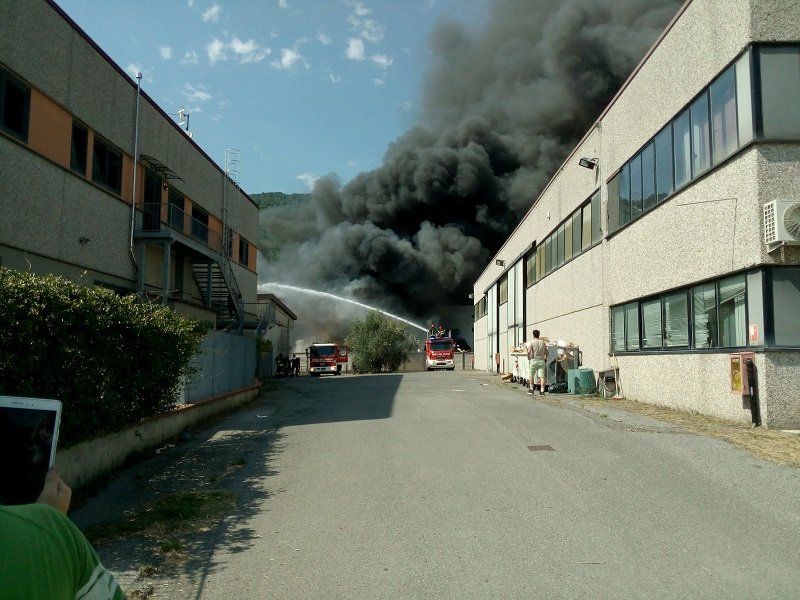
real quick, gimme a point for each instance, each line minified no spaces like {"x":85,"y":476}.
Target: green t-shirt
{"x":44,"y":556}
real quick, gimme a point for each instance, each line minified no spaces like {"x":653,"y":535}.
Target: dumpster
{"x":581,"y":381}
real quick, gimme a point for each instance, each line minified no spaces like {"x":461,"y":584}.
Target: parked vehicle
{"x":439,"y":350}
{"x":326,"y":358}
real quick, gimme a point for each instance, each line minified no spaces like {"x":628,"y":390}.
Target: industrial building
{"x":667,"y":246}
{"x":101,"y":185}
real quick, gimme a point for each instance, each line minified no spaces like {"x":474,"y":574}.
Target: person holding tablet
{"x":44,"y":556}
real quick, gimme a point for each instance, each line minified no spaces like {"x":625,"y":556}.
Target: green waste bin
{"x":581,"y":381}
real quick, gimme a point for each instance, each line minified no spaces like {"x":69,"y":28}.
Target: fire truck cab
{"x":439,"y":351}
{"x":326,"y":358}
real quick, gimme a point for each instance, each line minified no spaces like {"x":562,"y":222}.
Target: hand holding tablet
{"x":28,"y":439}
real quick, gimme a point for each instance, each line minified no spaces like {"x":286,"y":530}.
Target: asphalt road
{"x":450,"y":485}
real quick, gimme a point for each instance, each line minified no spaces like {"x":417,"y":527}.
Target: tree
{"x":379,"y":344}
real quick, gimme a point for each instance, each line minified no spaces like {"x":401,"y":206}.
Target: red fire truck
{"x":439,"y":351}
{"x":326,"y":358}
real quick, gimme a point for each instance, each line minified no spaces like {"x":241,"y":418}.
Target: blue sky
{"x":302,"y":88}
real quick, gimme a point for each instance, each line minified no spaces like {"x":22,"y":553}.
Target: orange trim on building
{"x":49,"y":129}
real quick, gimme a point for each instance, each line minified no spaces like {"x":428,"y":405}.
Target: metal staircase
{"x":217,"y":283}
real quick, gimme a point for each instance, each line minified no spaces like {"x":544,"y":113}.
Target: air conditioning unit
{"x":782,"y":222}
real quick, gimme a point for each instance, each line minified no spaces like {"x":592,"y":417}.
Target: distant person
{"x":440,"y":332}
{"x":432,"y":331}
{"x":537,"y":359}
{"x":295,"y":365}
{"x":44,"y":556}
{"x":279,"y":364}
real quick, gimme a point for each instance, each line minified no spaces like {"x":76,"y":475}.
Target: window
{"x":731,"y":311}
{"x":744,"y":98}
{"x":632,"y":326}
{"x":199,"y":224}
{"x":530,"y":269}
{"x":704,"y":308}
{"x":107,"y":166}
{"x":665,"y":184}
{"x":176,"y":213}
{"x":682,"y":149}
{"x":597,"y":222}
{"x":560,"y":245}
{"x":151,"y":208}
{"x":780,"y":91}
{"x":480,"y":308}
{"x":636,"y":187}
{"x":625,"y":327}
{"x":676,"y":320}
{"x":625,"y":195}
{"x":548,"y":254}
{"x":503,"y":289}
{"x":244,"y":251}
{"x":724,"y":136}
{"x":577,"y":236}
{"x":785,"y":287}
{"x":648,"y":177}
{"x":568,"y":248}
{"x":586,"y":241}
{"x":79,"y":147}
{"x":618,"y":329}
{"x":651,"y":324}
{"x":15,"y":100}
{"x":701,"y":136}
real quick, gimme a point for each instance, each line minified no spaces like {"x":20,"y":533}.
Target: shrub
{"x":110,"y":359}
{"x":379,"y":344}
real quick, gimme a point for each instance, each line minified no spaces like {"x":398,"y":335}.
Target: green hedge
{"x":110,"y":359}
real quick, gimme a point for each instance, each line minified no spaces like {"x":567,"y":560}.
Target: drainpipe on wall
{"x":135,"y":164}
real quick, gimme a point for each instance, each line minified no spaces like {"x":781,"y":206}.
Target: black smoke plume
{"x":502,"y":108}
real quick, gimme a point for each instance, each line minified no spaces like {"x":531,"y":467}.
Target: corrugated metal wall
{"x":226,"y":362}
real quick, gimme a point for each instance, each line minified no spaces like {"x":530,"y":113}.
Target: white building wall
{"x":711,"y":228}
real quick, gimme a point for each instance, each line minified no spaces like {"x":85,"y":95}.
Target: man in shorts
{"x":537,"y":358}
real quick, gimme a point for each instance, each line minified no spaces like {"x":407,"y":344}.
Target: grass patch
{"x":180,"y":512}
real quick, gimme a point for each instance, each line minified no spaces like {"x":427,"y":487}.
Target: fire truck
{"x":326,"y":358}
{"x":439,"y":351}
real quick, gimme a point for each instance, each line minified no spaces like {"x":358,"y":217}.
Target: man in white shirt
{"x":537,"y":358}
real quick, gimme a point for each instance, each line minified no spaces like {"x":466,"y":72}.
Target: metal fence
{"x":226,"y":362}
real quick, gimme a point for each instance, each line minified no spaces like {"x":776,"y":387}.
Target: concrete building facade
{"x":667,"y":247}
{"x":102,"y":186}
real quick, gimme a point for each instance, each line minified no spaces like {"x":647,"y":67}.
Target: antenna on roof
{"x":183,"y":119}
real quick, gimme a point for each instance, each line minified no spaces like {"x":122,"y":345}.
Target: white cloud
{"x":323,"y":39}
{"x":378,"y":82}
{"x":371,"y":31}
{"x":212,"y":14}
{"x":360,"y":9}
{"x":334,"y":78}
{"x":244,"y":52}
{"x":290,"y":58}
{"x":196,"y":93}
{"x":283,"y":3}
{"x":248,"y":51}
{"x":216,"y":51}
{"x":406,"y":105}
{"x":190,"y":58}
{"x":355,"y":49}
{"x":190,"y":3}
{"x":166,"y":52}
{"x":308,"y":179}
{"x":383,"y":61}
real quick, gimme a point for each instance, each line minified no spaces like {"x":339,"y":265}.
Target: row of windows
{"x":711,"y":315}
{"x":106,"y":165}
{"x":579,"y":232}
{"x":734,"y":109}
{"x":705,"y":133}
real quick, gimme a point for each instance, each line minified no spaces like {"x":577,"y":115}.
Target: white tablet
{"x":28,"y":439}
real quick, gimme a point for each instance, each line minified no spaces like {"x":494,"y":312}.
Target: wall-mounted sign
{"x":753,"y":334}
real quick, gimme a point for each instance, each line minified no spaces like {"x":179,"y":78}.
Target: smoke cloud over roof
{"x":503,"y":106}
